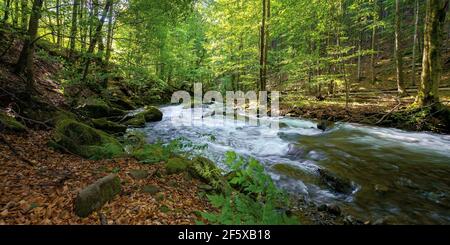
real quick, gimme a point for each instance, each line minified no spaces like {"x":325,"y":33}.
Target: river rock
{"x":330,"y":208}
{"x":295,"y":151}
{"x":325,"y":125}
{"x":96,"y":195}
{"x":381,"y":189}
{"x":338,"y":184}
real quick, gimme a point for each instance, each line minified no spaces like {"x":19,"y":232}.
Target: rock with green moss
{"x":152,"y":114}
{"x":97,"y":108}
{"x":176,"y":165}
{"x":10,"y":124}
{"x":108,"y":126}
{"x":83,"y":140}
{"x":93,"y":197}
{"x":137,"y":121}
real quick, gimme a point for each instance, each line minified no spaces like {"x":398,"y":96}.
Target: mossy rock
{"x":152,"y":114}
{"x":137,"y":121}
{"x":123,"y":103}
{"x":10,"y":124}
{"x":81,"y":139}
{"x":108,"y":126}
{"x":93,"y":197}
{"x":176,"y":165}
{"x":150,"y":154}
{"x":97,"y":108}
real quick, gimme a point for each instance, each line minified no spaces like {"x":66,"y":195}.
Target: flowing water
{"x":399,"y":175}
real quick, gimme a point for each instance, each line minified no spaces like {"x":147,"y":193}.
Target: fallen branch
{"x":389,"y":113}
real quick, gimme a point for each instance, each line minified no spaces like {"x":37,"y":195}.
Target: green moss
{"x":97,"y":108}
{"x":10,"y":124}
{"x":151,"y":154}
{"x":108,"y":126}
{"x":177,"y":165}
{"x":137,"y":122}
{"x":79,"y":138}
{"x":152,"y":114}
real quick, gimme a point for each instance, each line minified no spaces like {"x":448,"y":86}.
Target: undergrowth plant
{"x":259,"y":201}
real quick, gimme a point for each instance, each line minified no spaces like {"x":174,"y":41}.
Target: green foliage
{"x":260,"y":203}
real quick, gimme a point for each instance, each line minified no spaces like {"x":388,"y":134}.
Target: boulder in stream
{"x":336,"y":183}
{"x":93,"y":197}
{"x":325,"y":125}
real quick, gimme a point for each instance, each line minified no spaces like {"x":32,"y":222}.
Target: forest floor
{"x":369,"y":108}
{"x":39,"y":186}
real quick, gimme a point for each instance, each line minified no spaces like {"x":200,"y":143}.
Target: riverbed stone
{"x":336,"y":183}
{"x":93,"y":197}
{"x":381,"y":189}
{"x":325,"y":125}
{"x":330,"y":208}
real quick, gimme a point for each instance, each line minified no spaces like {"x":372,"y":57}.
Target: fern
{"x":260,"y":203}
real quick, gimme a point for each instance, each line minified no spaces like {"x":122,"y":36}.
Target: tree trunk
{"x":96,"y":38}
{"x":359,"y":56}
{"x":262,"y":47}
{"x":431,"y":65}
{"x":73,"y":30}
{"x":398,"y":53}
{"x":7,"y":10}
{"x":58,"y":23}
{"x":416,"y":29}
{"x":25,"y":62}
{"x":266,"y":45}
{"x":24,"y":18}
{"x":374,"y":35}
{"x":16,"y":14}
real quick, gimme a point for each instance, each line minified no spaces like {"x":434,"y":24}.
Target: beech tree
{"x":432,"y":64}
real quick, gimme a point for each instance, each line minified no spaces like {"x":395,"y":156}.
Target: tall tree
{"x":95,"y":39}
{"x":74,"y":28}
{"x":24,"y":15}
{"x":7,"y":10}
{"x":25,"y":62}
{"x":431,"y":64}
{"x":416,"y":30}
{"x":398,"y":52}
{"x":262,"y":78}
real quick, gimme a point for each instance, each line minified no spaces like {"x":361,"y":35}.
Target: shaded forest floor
{"x":44,"y":193}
